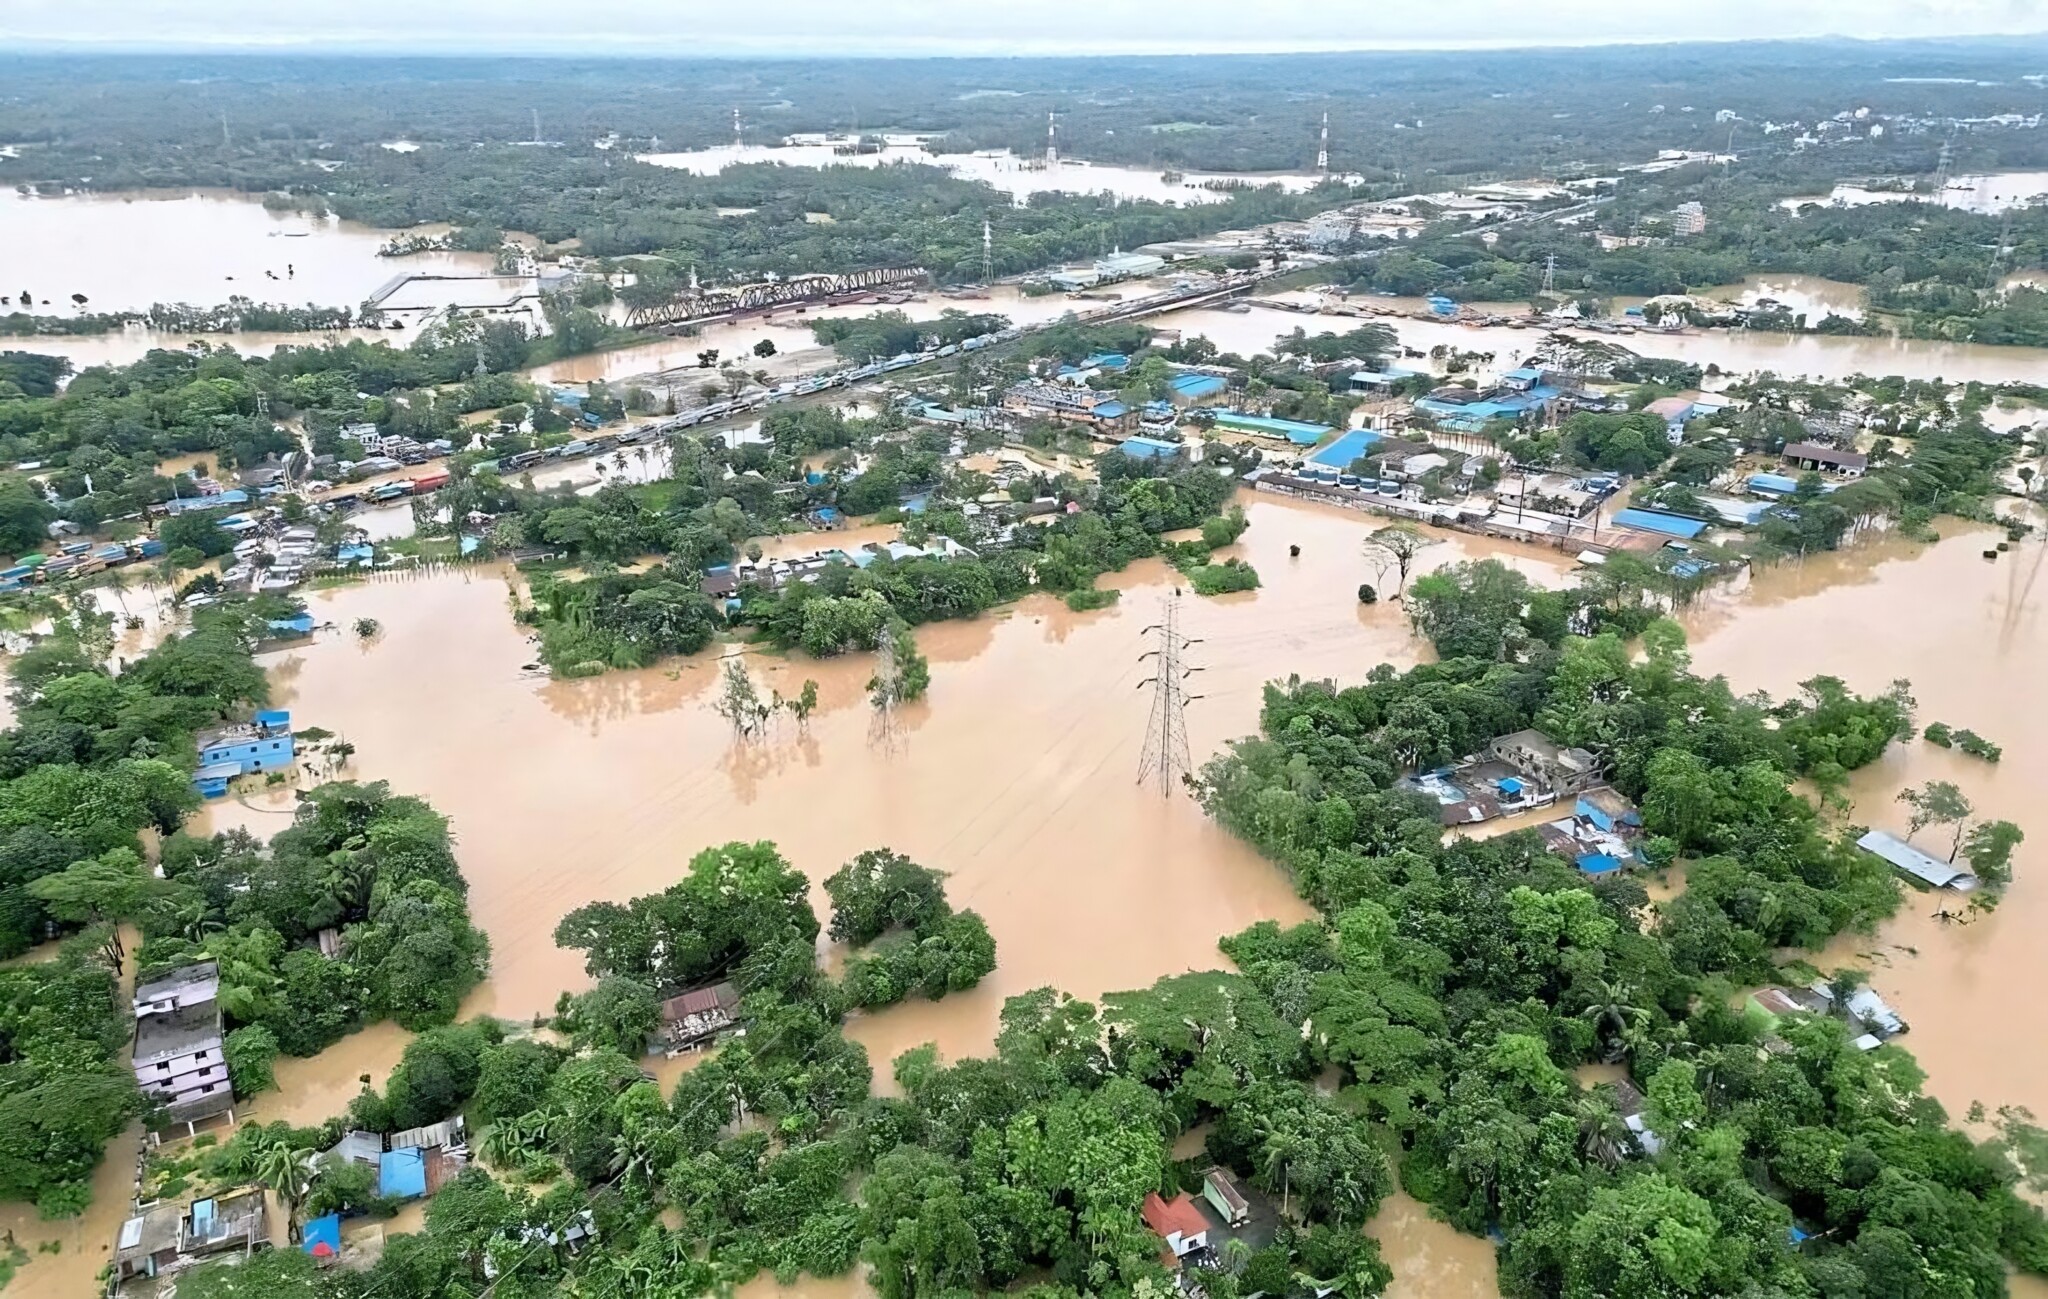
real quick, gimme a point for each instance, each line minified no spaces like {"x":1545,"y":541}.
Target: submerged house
{"x":1869,"y":1015}
{"x":1565,"y":769}
{"x":1919,"y":866}
{"x":178,"y":1059}
{"x":699,"y":1015}
{"x":264,"y":743}
{"x":1600,"y":835}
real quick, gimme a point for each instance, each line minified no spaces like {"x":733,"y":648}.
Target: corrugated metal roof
{"x":1905,"y":857}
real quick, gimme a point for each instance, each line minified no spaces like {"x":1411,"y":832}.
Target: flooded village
{"x":410,"y":644}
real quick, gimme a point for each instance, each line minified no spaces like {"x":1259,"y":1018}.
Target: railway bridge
{"x":699,"y":304}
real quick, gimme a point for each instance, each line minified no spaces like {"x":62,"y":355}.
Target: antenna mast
{"x":1323,"y":152}
{"x":1165,"y":757}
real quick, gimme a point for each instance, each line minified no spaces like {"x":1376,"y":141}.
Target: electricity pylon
{"x":1165,"y":757}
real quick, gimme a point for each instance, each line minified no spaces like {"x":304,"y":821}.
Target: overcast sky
{"x":976,"y":27}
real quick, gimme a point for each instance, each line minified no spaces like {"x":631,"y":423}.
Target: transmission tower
{"x":886,"y":690}
{"x":988,"y":251}
{"x":1941,"y":166}
{"x":536,"y":126}
{"x":1549,"y":274}
{"x":1052,"y":142}
{"x":1166,"y":737}
{"x":1998,"y":254}
{"x":739,"y":134}
{"x":1323,"y":149}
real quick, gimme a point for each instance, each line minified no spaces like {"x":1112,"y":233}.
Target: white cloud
{"x":932,"y":27}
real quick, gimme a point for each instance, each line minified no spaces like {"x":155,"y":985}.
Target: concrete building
{"x":1688,"y":219}
{"x":1071,"y":403}
{"x":168,"y":1238}
{"x":178,"y":1061}
{"x":1564,"y":769}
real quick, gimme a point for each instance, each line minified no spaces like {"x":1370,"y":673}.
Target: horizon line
{"x":615,"y":47}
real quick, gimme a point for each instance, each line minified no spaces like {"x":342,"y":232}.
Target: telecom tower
{"x":988,"y":251}
{"x":1052,"y":142}
{"x":1323,"y":150}
{"x":1165,"y":757}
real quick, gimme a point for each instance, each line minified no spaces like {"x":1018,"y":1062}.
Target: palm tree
{"x":1603,"y":1137}
{"x":281,"y":1167}
{"x":1612,"y":1013}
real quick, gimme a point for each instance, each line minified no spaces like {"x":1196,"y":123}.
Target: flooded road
{"x":1971,"y":636}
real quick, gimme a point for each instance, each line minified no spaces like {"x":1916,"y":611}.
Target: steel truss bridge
{"x":696,"y":305}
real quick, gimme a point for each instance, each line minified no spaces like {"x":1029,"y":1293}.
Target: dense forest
{"x":1463,"y":113}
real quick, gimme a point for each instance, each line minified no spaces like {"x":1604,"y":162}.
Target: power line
{"x":1165,"y":756}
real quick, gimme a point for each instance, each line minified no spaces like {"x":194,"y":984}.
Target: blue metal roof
{"x":1293,"y":430}
{"x":1773,"y":483}
{"x":322,"y":1232}
{"x":1525,"y":372}
{"x":1195,"y":385}
{"x":1669,"y":525}
{"x":1340,"y":454}
{"x":402,"y":1174}
{"x":1141,"y":448}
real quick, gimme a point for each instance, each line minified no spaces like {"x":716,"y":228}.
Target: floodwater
{"x":1864,"y":616}
{"x":1016,"y":774}
{"x":128,"y":251}
{"x":797,"y":350}
{"x":1005,"y":171}
{"x":1734,"y":351}
{"x":1983,"y":194}
{"x":1807,"y":295}
{"x":1431,"y":1259}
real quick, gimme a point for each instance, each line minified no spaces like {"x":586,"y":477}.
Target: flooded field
{"x":1733,"y":351}
{"x":1016,"y":774}
{"x":129,"y":251}
{"x":1018,"y":177}
{"x":1971,"y":635}
{"x":797,"y":350}
{"x":1983,"y":194}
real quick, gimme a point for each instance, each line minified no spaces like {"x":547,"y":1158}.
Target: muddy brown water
{"x":1018,"y":776}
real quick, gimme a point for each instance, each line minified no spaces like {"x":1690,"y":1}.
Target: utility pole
{"x":1323,"y":151}
{"x":1166,"y":737}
